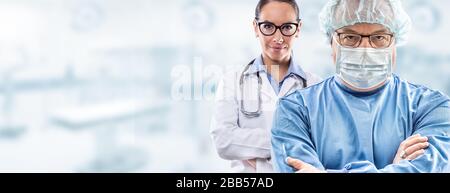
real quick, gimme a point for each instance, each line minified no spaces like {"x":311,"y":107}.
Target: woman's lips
{"x":277,"y":48}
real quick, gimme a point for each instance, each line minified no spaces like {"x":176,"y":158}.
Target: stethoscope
{"x":257,"y":113}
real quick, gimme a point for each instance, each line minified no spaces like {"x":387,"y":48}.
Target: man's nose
{"x":365,"y":42}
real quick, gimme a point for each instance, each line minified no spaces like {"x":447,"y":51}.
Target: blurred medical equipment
{"x":426,"y":15}
{"x":105,"y":118}
{"x":12,"y":59}
{"x":87,"y":16}
{"x":198,"y":16}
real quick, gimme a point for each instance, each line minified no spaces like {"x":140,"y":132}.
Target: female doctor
{"x":246,"y":99}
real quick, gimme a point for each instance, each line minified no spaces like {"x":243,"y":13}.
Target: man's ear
{"x":394,"y":57}
{"x":333,"y":50}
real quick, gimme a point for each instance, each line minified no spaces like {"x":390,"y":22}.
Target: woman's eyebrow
{"x":274,"y":23}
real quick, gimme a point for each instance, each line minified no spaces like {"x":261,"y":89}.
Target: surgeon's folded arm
{"x":434,"y":160}
{"x":433,"y":123}
{"x":234,"y":142}
{"x":291,"y":137}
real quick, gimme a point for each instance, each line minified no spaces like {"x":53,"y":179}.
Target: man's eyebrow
{"x":347,"y":30}
{"x":381,"y":31}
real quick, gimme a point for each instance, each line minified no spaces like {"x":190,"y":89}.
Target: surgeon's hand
{"x":411,"y":148}
{"x":302,"y":167}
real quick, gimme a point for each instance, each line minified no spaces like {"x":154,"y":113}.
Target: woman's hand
{"x":411,"y":148}
{"x":252,"y":163}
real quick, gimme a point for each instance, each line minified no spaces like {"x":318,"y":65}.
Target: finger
{"x":413,"y":136}
{"x":415,"y":154}
{"x":413,"y":141}
{"x":416,"y":147}
{"x":297,"y":164}
{"x":403,"y":144}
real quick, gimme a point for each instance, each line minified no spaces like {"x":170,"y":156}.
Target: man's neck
{"x":363,"y":90}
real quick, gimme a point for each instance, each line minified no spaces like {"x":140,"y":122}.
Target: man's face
{"x":363,"y":29}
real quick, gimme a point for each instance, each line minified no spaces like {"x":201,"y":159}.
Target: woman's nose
{"x":278,"y":37}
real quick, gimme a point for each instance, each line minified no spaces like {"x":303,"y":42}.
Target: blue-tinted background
{"x":92,"y":85}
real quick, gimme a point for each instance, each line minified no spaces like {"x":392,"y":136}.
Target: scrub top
{"x":339,"y":130}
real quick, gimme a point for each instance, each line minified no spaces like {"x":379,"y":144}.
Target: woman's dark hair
{"x":262,"y":3}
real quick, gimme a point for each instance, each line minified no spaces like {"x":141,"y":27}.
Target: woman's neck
{"x":277,"y":69}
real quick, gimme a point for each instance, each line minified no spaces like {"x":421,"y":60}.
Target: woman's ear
{"x":255,"y":28}
{"x":298,"y":29}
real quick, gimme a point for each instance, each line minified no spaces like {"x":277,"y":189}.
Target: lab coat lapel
{"x":289,"y":85}
{"x":267,"y":89}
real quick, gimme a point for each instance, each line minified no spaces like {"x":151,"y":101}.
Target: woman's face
{"x":277,"y":47}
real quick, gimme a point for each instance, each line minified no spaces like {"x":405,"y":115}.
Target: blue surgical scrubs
{"x":339,"y":130}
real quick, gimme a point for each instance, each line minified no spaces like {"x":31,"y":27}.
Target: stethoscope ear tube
{"x":250,"y":114}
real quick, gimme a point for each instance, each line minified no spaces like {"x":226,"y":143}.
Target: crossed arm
{"x":409,"y":149}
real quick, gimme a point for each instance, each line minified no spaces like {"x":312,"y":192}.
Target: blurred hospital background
{"x":93,"y":85}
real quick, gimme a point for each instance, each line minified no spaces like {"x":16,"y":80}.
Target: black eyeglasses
{"x":269,"y":28}
{"x":377,"y":41}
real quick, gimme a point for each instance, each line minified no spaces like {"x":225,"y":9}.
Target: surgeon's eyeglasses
{"x":269,"y":28}
{"x":377,"y":41}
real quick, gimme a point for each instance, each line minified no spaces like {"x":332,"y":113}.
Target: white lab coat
{"x":238,"y":137}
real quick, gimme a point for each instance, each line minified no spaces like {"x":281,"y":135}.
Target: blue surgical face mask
{"x":363,"y":68}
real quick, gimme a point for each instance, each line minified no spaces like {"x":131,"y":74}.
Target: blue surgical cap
{"x":389,"y":13}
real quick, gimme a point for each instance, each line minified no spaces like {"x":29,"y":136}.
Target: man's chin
{"x":354,"y":88}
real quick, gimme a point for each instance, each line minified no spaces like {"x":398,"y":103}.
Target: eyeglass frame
{"x":277,"y":27}
{"x":364,"y":36}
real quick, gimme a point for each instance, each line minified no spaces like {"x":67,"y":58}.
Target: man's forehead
{"x":364,"y":28}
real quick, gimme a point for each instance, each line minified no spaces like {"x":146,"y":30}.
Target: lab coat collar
{"x":257,"y":66}
{"x":294,"y":67}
